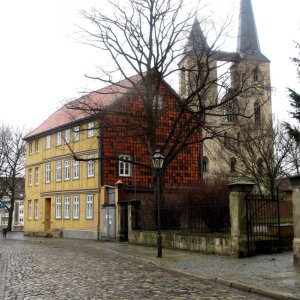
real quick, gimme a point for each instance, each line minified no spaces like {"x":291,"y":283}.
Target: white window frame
{"x":58,"y":212}
{"x":89,"y":208}
{"x":58,"y":138}
{"x":58,"y":172}
{"x":36,"y":175}
{"x":76,"y":207}
{"x":30,"y":148}
{"x":36,"y":209}
{"x":90,"y":129}
{"x":36,"y":145}
{"x":48,"y":173}
{"x":90,"y":166}
{"x":67,"y":136}
{"x":124,"y":167}
{"x":158,"y":102}
{"x":30,"y":177}
{"x":76,"y":134}
{"x":76,"y":169}
{"x":67,"y":207}
{"x":67,"y":171}
{"x":48,"y":141}
{"x":29,"y":211}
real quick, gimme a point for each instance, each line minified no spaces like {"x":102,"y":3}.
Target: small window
{"x":75,"y":169}
{"x":58,"y":171}
{"x":58,"y":208}
{"x":37,"y":146}
{"x":29,"y":211}
{"x":232,"y":165}
{"x":90,"y":166}
{"x":48,"y":141}
{"x":67,"y":207}
{"x":58,"y":138}
{"x":76,"y":135}
{"x":76,"y":206}
{"x":124,"y":166}
{"x":90,"y":129}
{"x":67,"y":137}
{"x":48,"y":173}
{"x":89,"y":206}
{"x":257,"y":116}
{"x":30,"y":147}
{"x":30,"y":177}
{"x":36,"y":209}
{"x":36,"y":175}
{"x":67,"y":170}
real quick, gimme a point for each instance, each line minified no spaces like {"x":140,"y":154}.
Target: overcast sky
{"x":42,"y":64}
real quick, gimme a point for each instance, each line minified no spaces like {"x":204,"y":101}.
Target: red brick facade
{"x":123,"y":135}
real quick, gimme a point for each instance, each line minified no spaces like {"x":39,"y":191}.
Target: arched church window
{"x":205,"y":164}
{"x":255,"y":75}
{"x":260,"y":165}
{"x":230,"y":111}
{"x":225,"y":139}
{"x":238,"y":139}
{"x":257,"y":113}
{"x":232,"y":165}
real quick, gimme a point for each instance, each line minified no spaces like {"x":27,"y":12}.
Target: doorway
{"x":47,"y":223}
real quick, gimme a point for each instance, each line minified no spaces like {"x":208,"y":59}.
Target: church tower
{"x":225,"y":96}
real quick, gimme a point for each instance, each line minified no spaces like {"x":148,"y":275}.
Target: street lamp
{"x":158,"y":161}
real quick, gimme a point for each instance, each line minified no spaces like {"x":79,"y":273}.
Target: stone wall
{"x":220,"y":245}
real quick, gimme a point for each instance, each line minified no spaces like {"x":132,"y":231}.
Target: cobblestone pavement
{"x":36,"y":268}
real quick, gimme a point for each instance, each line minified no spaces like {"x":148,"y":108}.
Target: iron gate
{"x":263,"y":224}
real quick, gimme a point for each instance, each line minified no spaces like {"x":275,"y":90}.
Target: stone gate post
{"x":295,"y":182}
{"x":238,"y":218}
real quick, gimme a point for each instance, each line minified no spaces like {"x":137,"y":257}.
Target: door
{"x":109,"y":215}
{"x":47,"y":214}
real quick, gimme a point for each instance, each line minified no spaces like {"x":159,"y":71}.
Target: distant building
{"x":18,"y":214}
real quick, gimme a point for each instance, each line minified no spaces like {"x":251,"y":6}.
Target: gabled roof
{"x":70,"y":113}
{"x":80,"y":109}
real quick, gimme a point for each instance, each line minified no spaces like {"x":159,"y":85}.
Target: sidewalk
{"x":268,"y":275}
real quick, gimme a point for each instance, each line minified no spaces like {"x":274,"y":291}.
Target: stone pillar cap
{"x":295,"y":180}
{"x":241,"y":186}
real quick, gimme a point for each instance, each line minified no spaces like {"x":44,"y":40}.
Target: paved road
{"x":34,"y":268}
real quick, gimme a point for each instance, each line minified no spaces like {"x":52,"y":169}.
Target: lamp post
{"x":158,"y":161}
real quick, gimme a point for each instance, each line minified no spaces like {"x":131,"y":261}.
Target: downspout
{"x":100,"y":176}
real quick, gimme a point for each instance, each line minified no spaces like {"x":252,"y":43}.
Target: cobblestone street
{"x":35,"y":268}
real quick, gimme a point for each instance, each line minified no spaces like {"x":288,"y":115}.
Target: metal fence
{"x":187,"y":216}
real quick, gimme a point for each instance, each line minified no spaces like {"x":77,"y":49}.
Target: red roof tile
{"x":81,"y":108}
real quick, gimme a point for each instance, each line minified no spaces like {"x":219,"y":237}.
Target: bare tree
{"x":146,"y":38}
{"x":259,"y":155}
{"x":12,"y":165}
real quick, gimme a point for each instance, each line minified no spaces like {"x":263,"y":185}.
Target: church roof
{"x":248,"y":43}
{"x":196,"y":41}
